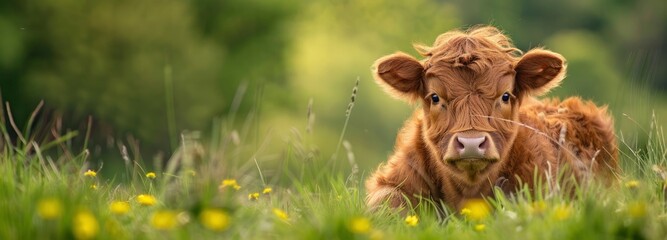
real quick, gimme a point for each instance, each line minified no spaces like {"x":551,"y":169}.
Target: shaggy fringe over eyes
{"x":474,"y":49}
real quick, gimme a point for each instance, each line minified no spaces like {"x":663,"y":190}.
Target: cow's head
{"x":470,"y":87}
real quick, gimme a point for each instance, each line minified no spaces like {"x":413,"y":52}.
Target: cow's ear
{"x":539,"y":71}
{"x":401,"y":75}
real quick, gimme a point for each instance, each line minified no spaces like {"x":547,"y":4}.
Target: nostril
{"x":459,"y":144}
{"x":484,"y":144}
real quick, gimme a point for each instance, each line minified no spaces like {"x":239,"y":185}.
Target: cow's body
{"x":514,"y":138}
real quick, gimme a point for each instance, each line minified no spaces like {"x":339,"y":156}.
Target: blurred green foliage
{"x":110,"y":60}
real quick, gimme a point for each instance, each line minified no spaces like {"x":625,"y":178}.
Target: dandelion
{"x":480,"y":227}
{"x":280,"y":214}
{"x":538,"y":207}
{"x":90,"y":173}
{"x":151,"y":175}
{"x":412,"y":220}
{"x":360,"y":225}
{"x":49,"y":208}
{"x":267,"y":190}
{"x":477,"y":209}
{"x":562,"y":212}
{"x":636,"y":209}
{"x":164,"y":220}
{"x":214,"y":219}
{"x":253,"y":196}
{"x":119,"y":207}
{"x":230,"y":183}
{"x":146,"y":200}
{"x":632,"y":184}
{"x":85,"y":225}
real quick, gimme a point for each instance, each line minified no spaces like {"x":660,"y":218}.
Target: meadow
{"x":225,"y":186}
{"x":276,"y":146}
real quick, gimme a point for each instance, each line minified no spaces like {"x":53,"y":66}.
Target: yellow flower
{"x":280,"y":214}
{"x":411,"y":220}
{"x":480,"y":227}
{"x":214,"y":219}
{"x":146,"y":200}
{"x":94,"y":186}
{"x":119,"y":207}
{"x":90,"y":173}
{"x":477,"y":209}
{"x":49,"y":208}
{"x":267,"y":190}
{"x":562,"y":212}
{"x":253,"y":196}
{"x":636,"y":209}
{"x":632,"y":184}
{"x":360,"y":225}
{"x":151,"y":175}
{"x":538,"y":207}
{"x":164,"y":220}
{"x":85,"y":225}
{"x":230,"y":183}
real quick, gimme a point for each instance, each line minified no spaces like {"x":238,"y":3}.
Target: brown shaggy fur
{"x":477,"y":84}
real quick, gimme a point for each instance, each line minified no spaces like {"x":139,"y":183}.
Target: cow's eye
{"x":505,"y":97}
{"x":434,"y":98}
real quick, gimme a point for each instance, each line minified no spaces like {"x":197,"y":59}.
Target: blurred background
{"x":269,"y":71}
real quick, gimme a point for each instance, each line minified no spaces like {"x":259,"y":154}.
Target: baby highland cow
{"x":479,"y":122}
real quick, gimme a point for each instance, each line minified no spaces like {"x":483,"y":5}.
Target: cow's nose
{"x":474,"y":147}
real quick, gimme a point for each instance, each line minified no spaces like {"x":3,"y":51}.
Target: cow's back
{"x":556,"y":133}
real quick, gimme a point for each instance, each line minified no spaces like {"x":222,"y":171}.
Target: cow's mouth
{"x":471,"y":166}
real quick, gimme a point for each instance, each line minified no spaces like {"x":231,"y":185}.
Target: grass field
{"x":223,"y":189}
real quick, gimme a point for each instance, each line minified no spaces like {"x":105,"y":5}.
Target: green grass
{"x":322,"y":200}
